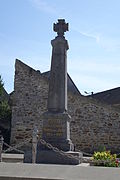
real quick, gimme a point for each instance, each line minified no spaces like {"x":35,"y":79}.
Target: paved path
{"x":19,"y":171}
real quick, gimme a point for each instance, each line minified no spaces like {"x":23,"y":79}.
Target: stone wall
{"x":28,"y":101}
{"x":93,"y":125}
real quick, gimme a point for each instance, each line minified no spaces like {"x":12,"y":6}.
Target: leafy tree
{"x":1,"y":85}
{"x":5,"y":111}
{"x":5,"y":114}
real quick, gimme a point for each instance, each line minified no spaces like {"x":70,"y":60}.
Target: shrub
{"x":105,"y":158}
{"x":5,"y":111}
{"x":1,"y":85}
{"x":5,"y":114}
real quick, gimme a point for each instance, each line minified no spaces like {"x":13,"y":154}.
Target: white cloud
{"x":43,"y":6}
{"x":95,"y":36}
{"x":107,"y":43}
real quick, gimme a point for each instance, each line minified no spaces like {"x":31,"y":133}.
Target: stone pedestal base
{"x":56,"y":130}
{"x":51,"y":157}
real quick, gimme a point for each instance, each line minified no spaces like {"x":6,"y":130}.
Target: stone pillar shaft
{"x":57,"y":96}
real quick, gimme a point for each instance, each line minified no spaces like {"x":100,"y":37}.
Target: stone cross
{"x":57,"y":95}
{"x":60,"y":27}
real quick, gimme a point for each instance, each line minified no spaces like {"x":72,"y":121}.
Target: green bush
{"x":118,"y":156}
{"x":1,"y":85}
{"x":5,"y":111}
{"x":105,"y":158}
{"x":5,"y":114}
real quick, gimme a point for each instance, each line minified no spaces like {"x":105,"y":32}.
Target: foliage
{"x":5,"y":114}
{"x":101,"y":148}
{"x":118,"y":156}
{"x":5,"y":111}
{"x":1,"y":85}
{"x":105,"y":158}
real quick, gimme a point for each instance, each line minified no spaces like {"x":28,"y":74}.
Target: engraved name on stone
{"x":53,"y":129}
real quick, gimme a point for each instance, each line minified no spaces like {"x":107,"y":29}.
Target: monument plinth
{"x":56,"y":121}
{"x":56,"y":130}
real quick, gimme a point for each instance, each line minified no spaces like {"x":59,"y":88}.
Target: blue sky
{"x":93,"y":37}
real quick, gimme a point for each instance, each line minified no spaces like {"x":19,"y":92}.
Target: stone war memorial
{"x":64,"y":117}
{"x":56,"y":121}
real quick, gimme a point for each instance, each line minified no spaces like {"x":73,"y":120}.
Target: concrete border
{"x":22,"y":171}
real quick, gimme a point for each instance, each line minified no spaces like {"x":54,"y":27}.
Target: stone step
{"x":12,"y":158}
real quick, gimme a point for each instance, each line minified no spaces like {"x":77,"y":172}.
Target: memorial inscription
{"x":53,"y":129}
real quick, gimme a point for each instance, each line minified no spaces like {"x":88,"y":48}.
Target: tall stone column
{"x":57,"y":97}
{"x":56,"y":121}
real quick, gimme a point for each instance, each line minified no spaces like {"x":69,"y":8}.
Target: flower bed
{"x":105,"y":159}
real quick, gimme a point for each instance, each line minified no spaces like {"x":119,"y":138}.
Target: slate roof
{"x":111,"y":96}
{"x":71,"y":86}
